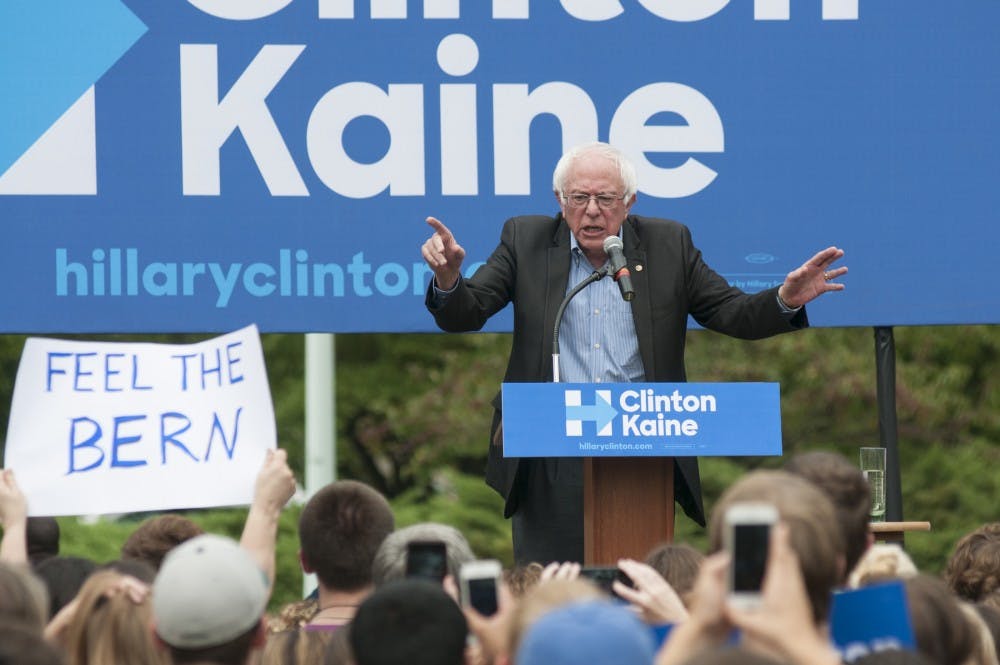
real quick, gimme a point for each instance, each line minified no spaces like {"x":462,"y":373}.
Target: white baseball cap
{"x":209,"y":591}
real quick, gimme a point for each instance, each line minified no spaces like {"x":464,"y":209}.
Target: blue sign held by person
{"x":870,"y":619}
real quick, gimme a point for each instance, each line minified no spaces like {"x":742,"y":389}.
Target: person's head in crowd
{"x":543,"y":598}
{"x":845,"y":485}
{"x":678,"y":564}
{"x":731,"y":655}
{"x":295,"y":647}
{"x":154,"y":538}
{"x":991,"y":619}
{"x":111,"y":624}
{"x":943,"y":632}
{"x":808,"y":514}
{"x":390,"y":560}
{"x":140,"y":570}
{"x":881,"y":562}
{"x":24,"y":645}
{"x":23,"y":598}
{"x":63,"y":576}
{"x":42,"y":535}
{"x":521,"y":579}
{"x":893,"y":657}
{"x":973,"y":570}
{"x":209,"y":599}
{"x":408,"y":621}
{"x":593,"y":632}
{"x":340,"y":529}
{"x":985,"y":652}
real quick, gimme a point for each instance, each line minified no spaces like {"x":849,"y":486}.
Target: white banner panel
{"x":110,"y":427}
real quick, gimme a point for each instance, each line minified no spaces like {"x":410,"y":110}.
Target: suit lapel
{"x":556,"y":279}
{"x":642,"y":304}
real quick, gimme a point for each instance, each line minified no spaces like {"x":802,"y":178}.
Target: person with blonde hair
{"x":23,"y":598}
{"x":109,"y":623}
{"x":295,"y":647}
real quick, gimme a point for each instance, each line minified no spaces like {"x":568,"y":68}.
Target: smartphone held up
{"x":747,"y":535}
{"x":427,"y":560}
{"x":605,"y":577}
{"x":479,"y":585}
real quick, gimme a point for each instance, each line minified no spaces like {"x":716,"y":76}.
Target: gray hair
{"x":625,"y":168}
{"x":390,"y":559}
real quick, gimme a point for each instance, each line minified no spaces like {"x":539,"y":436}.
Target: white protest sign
{"x":110,"y":427}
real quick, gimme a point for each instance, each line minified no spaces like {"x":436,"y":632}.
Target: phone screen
{"x":750,"y":542}
{"x":427,"y":560}
{"x":483,"y":595}
{"x":605,"y":577}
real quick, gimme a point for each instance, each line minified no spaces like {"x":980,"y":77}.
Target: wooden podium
{"x":628,"y":507}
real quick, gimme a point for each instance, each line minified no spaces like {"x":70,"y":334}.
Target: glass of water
{"x":873,"y":468}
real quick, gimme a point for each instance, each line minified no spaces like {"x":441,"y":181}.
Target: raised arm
{"x":275,"y":485}
{"x":14,"y":518}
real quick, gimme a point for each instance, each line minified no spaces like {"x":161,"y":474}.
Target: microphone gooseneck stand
{"x":595,"y":276}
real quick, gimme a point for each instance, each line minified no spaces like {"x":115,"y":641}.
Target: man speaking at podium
{"x":603,"y":337}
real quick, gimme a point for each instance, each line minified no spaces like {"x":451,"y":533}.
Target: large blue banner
{"x":199,"y":165}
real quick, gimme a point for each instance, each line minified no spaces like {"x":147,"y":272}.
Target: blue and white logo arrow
{"x":601,"y":413}
{"x":51,"y":53}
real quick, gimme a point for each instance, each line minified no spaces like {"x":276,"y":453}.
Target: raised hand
{"x":567,"y":570}
{"x":783,"y":625}
{"x":443,"y":254}
{"x":707,"y":624}
{"x":14,"y":519}
{"x":274,"y":486}
{"x":275,"y":482}
{"x":653,"y":596}
{"x":813,"y":278}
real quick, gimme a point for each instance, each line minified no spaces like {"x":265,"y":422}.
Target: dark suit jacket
{"x":530,"y":268}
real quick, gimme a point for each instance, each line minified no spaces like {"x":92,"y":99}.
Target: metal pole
{"x":321,"y":442}
{"x":885,"y":366}
{"x":321,"y":418}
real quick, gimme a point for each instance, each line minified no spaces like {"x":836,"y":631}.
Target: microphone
{"x":619,"y":268}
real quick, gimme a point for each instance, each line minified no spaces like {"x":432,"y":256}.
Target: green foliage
{"x":947,"y":394}
{"x":408,"y":405}
{"x":413,"y":415}
{"x":465,"y":502}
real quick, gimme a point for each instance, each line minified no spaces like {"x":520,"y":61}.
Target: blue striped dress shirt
{"x":597,"y":340}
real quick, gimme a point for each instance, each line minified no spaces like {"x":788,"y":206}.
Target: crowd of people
{"x":179,"y":595}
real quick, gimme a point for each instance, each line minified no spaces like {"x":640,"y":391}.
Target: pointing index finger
{"x":439,"y":228}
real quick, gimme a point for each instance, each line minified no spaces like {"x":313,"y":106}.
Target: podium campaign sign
{"x":641,"y":419}
{"x":110,"y":427}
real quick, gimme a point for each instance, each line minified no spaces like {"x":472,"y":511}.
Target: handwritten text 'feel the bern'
{"x":90,"y":441}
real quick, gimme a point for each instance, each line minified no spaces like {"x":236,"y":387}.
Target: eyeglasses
{"x":581,"y":200}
